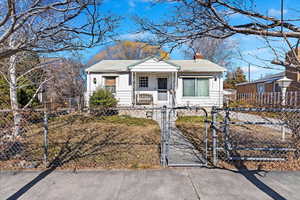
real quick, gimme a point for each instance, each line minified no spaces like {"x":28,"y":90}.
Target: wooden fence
{"x":292,"y":98}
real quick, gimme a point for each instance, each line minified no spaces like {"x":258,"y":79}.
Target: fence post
{"x":70,"y":105}
{"x":226,"y":132}
{"x":214,"y":135}
{"x":163,"y":156}
{"x":283,"y":132}
{"x":45,"y":119}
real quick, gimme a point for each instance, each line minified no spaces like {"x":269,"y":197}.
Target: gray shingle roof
{"x":185,"y":66}
{"x":267,"y":79}
{"x":111,"y":66}
{"x":200,"y":65}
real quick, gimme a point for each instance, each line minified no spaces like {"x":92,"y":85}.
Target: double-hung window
{"x":195,"y":87}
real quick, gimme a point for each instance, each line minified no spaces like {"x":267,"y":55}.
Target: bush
{"x":103,"y":99}
{"x":24,"y":94}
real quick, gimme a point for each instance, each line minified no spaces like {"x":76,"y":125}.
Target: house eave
{"x":151,"y":57}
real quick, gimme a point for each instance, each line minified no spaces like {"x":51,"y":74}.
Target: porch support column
{"x":176,"y":80}
{"x":133,"y":87}
{"x":175,"y":86}
{"x":173,"y":90}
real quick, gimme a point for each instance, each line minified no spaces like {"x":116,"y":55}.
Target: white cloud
{"x":276,"y":13}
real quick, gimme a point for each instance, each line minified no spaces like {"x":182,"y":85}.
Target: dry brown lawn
{"x":243,"y":136}
{"x":82,"y":141}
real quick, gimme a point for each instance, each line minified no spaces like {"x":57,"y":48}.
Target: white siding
{"x":123,"y":89}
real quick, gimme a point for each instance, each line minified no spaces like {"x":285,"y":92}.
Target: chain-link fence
{"x":186,"y":137}
{"x":256,"y":137}
{"x":114,"y":137}
{"x":134,"y":137}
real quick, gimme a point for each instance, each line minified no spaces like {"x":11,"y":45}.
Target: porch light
{"x":284,"y":82}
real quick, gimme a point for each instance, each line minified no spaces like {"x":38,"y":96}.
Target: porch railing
{"x":144,"y":99}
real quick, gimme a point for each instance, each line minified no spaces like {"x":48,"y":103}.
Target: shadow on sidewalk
{"x":70,"y":151}
{"x":29,"y":185}
{"x":251,"y":176}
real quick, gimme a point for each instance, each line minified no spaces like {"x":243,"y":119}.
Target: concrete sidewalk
{"x":173,"y":184}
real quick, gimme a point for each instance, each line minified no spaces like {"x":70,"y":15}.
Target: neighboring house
{"x":269,"y":84}
{"x":153,"y":81}
{"x":266,"y":84}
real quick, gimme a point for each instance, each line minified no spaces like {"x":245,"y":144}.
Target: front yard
{"x":242,"y":136}
{"x":84,"y":141}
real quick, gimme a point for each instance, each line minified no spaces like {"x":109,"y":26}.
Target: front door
{"x":162,"y":89}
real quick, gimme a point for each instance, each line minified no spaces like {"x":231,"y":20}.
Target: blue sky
{"x":251,"y":47}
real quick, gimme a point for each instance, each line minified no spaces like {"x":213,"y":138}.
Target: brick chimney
{"x":198,"y":56}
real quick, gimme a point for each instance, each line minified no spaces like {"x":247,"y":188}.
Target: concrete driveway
{"x":173,"y":184}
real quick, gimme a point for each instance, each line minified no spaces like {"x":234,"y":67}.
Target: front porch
{"x":154,"y":88}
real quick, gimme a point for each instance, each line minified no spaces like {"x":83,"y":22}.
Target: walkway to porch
{"x":180,"y":150}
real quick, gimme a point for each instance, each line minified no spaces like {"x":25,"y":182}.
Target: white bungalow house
{"x":157,"y":82}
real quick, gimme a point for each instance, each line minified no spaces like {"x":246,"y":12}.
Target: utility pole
{"x":249,"y":73}
{"x":281,"y":16}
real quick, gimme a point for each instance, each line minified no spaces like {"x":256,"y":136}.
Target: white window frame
{"x":195,"y":77}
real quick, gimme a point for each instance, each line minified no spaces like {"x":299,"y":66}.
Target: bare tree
{"x":219,"y":51}
{"x":66,"y":81}
{"x":194,"y":19}
{"x":129,"y":50}
{"x":46,"y":26}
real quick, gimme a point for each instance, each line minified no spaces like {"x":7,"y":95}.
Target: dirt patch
{"x":243,"y":136}
{"x":254,"y":137}
{"x":82,"y":141}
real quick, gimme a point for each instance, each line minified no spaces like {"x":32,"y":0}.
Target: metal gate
{"x":184,"y":137}
{"x":253,"y":134}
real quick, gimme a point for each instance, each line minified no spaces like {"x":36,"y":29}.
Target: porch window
{"x":143,"y":82}
{"x":195,"y":87}
{"x":110,"y":84}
